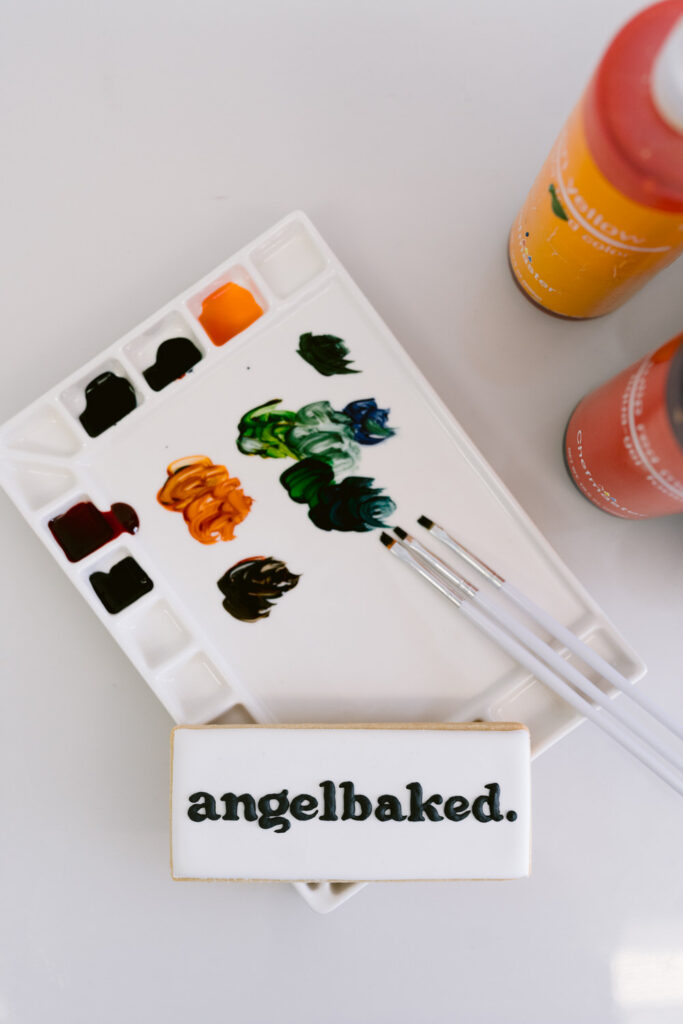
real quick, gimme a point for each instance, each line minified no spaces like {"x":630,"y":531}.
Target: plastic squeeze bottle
{"x":605,"y":214}
{"x":623,"y":445}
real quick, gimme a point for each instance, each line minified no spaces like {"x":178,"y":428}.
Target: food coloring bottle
{"x":605,"y":213}
{"x":624,"y":441}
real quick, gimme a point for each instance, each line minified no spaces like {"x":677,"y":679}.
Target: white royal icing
{"x":350,"y":804}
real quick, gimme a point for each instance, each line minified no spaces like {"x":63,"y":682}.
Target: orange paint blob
{"x":227,"y":311}
{"x":212,"y":502}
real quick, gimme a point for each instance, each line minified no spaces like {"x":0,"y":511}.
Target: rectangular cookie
{"x":350,"y":803}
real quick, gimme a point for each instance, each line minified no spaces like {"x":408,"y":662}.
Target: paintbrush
{"x":555,"y":628}
{"x":540,"y":648}
{"x":461,"y":594}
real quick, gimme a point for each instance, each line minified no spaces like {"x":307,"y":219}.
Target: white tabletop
{"x":143,"y":143}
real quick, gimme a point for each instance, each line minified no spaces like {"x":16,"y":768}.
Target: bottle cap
{"x":667,"y":78}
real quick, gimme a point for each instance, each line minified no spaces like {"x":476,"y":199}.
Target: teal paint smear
{"x":320,"y":432}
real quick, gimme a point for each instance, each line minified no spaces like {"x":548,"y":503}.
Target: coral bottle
{"x":624,"y":441}
{"x":606,"y":211}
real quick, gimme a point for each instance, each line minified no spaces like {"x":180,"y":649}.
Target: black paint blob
{"x":108,"y":399}
{"x":253,"y":585}
{"x":83,"y":528}
{"x":124,"y":584}
{"x":175,"y":357}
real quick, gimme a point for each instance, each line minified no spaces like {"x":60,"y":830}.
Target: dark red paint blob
{"x":83,"y":528}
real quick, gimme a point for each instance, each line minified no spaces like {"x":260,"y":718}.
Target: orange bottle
{"x":605,"y":214}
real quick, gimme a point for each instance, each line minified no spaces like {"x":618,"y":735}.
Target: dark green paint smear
{"x":352,"y":505}
{"x":325,"y":353}
{"x":252,"y":586}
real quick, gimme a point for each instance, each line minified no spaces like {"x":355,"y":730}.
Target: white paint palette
{"x":358,"y":638}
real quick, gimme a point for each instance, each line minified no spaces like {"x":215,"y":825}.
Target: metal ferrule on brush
{"x":404,"y":554}
{"x":471,"y":559}
{"x":423,"y":553}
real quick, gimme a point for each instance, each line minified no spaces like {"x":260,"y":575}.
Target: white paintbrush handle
{"x":565,"y":692}
{"x":585,"y":686}
{"x":589,"y":656}
{"x":560,"y":632}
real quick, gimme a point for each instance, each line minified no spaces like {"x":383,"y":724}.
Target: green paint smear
{"x":315,"y":431}
{"x":263,"y":431}
{"x":558,"y":208}
{"x":325,"y":444}
{"x":325,"y":353}
{"x":353,"y":505}
{"x":305,"y":481}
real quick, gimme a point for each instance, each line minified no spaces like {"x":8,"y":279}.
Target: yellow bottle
{"x":605,"y":214}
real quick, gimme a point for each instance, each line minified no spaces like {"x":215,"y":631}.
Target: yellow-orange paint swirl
{"x":212,"y":502}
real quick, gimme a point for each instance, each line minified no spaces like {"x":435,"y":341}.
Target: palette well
{"x":260,"y":468}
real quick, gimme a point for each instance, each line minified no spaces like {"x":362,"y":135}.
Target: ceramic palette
{"x":215,"y":482}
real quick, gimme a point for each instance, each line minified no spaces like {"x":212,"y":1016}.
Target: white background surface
{"x":142,"y":143}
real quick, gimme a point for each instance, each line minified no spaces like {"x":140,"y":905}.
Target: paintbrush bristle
{"x":400,"y":532}
{"x":387,"y":540}
{"x":427,"y":523}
